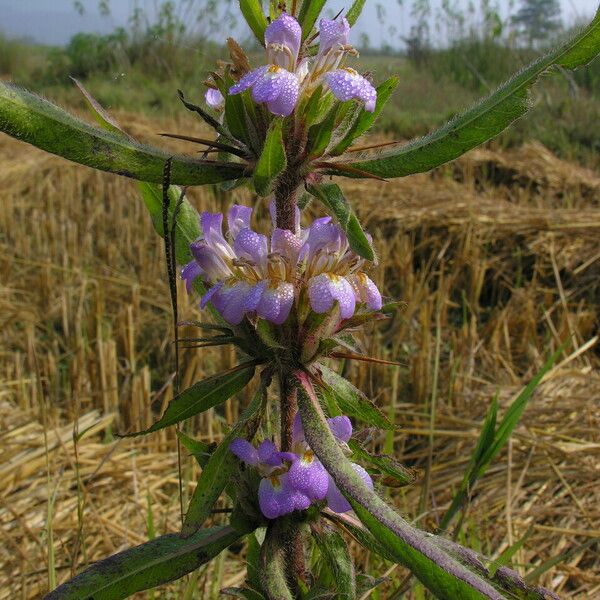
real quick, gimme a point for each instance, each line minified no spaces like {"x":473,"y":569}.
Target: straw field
{"x":498,"y":262}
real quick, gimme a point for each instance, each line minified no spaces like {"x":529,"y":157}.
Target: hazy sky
{"x":55,"y":21}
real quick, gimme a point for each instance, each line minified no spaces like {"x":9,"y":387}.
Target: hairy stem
{"x":286,"y":192}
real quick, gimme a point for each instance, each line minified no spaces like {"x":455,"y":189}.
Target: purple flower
{"x":283,"y":38}
{"x":346,"y":84}
{"x":294,"y":480}
{"x":214,"y":99}
{"x":277,"y":87}
{"x":276,"y":494}
{"x":333,"y":34}
{"x":244,"y":274}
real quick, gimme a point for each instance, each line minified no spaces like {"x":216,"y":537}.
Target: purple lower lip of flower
{"x":230,"y":300}
{"x":276,"y":304}
{"x":309,"y":477}
{"x":336,"y":501}
{"x":347,"y":84}
{"x":251,"y":246}
{"x":273,"y":85}
{"x":366,"y":291}
{"x":326,"y":289}
{"x":276,"y":497}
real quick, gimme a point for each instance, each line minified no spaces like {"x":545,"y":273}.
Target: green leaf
{"x":491,"y":441}
{"x":201,"y":451}
{"x":36,"y":121}
{"x":319,"y":135}
{"x":350,"y":400}
{"x":387,"y":465}
{"x":332,"y":197}
{"x":235,"y":116}
{"x":445,"y":577}
{"x":255,"y":17}
{"x":272,"y":160}
{"x":334,"y":550}
{"x":188,"y":224}
{"x":222,"y":464}
{"x":155,"y":563}
{"x":201,"y":396}
{"x":354,"y":11}
{"x":309,"y":13}
{"x":484,"y":120}
{"x":366,"y":119}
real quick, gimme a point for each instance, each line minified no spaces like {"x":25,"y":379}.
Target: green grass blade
{"x":484,"y":120}
{"x":155,"y":563}
{"x":32,"y":119}
{"x":201,"y":396}
{"x":491,"y":440}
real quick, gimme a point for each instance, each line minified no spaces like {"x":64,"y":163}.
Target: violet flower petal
{"x":248,"y":80}
{"x":333,"y":33}
{"x":276,"y":497}
{"x":210,"y":261}
{"x":346,"y":84}
{"x":268,"y":454}
{"x":214,"y":99}
{"x":251,"y":246}
{"x":230,"y":301}
{"x":189,"y":273}
{"x":210,"y":294}
{"x":325,"y":289}
{"x":286,"y":32}
{"x":335,"y":500}
{"x":245,"y":451}
{"x":275,"y":304}
{"x":238,"y":218}
{"x":309,"y":477}
{"x":341,"y":427}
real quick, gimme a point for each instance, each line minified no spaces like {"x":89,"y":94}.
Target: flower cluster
{"x":294,"y":480}
{"x":248,"y":274}
{"x":287,"y":76}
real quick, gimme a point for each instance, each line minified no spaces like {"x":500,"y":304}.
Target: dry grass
{"x":496,"y":255}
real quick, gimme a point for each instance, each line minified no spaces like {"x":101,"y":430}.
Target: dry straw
{"x":498,"y":261}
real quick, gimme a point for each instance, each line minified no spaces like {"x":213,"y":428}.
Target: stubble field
{"x":497,"y":260}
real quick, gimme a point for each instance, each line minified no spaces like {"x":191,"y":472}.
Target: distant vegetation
{"x":141,"y":67}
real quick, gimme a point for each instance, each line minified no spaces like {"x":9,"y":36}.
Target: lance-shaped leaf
{"x":36,"y":121}
{"x":492,"y":440}
{"x":222,"y":464}
{"x":332,"y":197}
{"x":484,"y":120}
{"x":366,"y":119}
{"x":272,"y":160}
{"x":155,"y":563}
{"x":334,"y":550}
{"x":445,"y":577}
{"x":203,"y":395}
{"x":319,"y":135}
{"x":355,"y":11}
{"x":201,"y":451}
{"x":255,"y":17}
{"x":309,"y":13}
{"x":350,"y":400}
